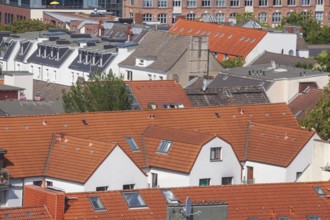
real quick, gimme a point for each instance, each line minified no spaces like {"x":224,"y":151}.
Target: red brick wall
{"x":8,"y":95}
{"x":15,"y":11}
{"x":53,"y":200}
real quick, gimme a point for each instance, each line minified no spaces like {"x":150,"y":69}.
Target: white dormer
{"x":145,"y":61}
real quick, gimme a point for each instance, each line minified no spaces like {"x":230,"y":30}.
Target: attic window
{"x":152,"y":106}
{"x":169,"y":196}
{"x":181,"y":29}
{"x":216,"y":34}
{"x":190,"y":30}
{"x":175,"y":28}
{"x":319,"y":191}
{"x":96,"y":203}
{"x":132,"y":143}
{"x":247,"y":39}
{"x":164,"y":146}
{"x":134,"y":199}
{"x":313,"y":217}
{"x":283,"y":218}
{"x":217,"y":114}
{"x":198,"y":31}
{"x":221,"y":35}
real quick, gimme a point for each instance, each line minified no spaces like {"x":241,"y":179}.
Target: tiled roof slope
{"x":228,"y":40}
{"x":265,"y":201}
{"x":28,"y":139}
{"x":68,"y":155}
{"x":183,"y":151}
{"x":281,"y":59}
{"x":304,"y":101}
{"x":27,"y":213}
{"x":159,"y":44}
{"x":158,"y":92}
{"x":275,"y":145}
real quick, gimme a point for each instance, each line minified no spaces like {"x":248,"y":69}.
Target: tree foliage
{"x":241,"y":18}
{"x":323,"y":61}
{"x":21,"y":26}
{"x":318,"y":118}
{"x":102,"y":92}
{"x":233,"y":62}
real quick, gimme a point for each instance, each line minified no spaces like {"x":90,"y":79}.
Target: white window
{"x":234,"y":3}
{"x":305,"y":2}
{"x":220,"y":17}
{"x":220,"y":3}
{"x":191,"y":3}
{"x":191,"y":16}
{"x":263,"y":2}
{"x":147,"y":3}
{"x":147,"y":17}
{"x":276,"y":18}
{"x":154,"y":180}
{"x":176,"y":3}
{"x":277,"y":2}
{"x":206,"y":3}
{"x":232,"y":16}
{"x":162,"y":3}
{"x":216,"y":153}
{"x":319,"y":16}
{"x":162,"y":18}
{"x":149,"y":77}
{"x":227,"y":180}
{"x":262,"y":17}
{"x":129,"y":75}
{"x":319,"y":2}
{"x":291,"y":2}
{"x":248,"y":2}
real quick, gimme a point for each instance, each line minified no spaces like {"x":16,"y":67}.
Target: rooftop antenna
{"x":187,"y":210}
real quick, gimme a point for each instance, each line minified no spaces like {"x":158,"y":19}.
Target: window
{"x":319,"y":16}
{"x":128,"y":186}
{"x":232,"y":16}
{"x":319,"y":191}
{"x":162,"y":3}
{"x":304,"y":14}
{"x":134,"y":199}
{"x":147,"y":3}
{"x":313,"y":217}
{"x":262,"y":18}
{"x":220,"y":3}
{"x":277,"y":2}
{"x":204,"y":182}
{"x":154,"y":180}
{"x":131,"y":2}
{"x":234,"y":3}
{"x":220,"y":17}
{"x":176,"y":3}
{"x":37,"y":183}
{"x":298,"y":174}
{"x":49,"y":183}
{"x":147,"y":17}
{"x":169,"y":196}
{"x":129,"y":75}
{"x":283,"y":218}
{"x":206,"y":3}
{"x":191,"y":16}
{"x":319,"y":2}
{"x":101,"y":188}
{"x":96,"y":203}
{"x":131,"y":15}
{"x":191,"y":3}
{"x":227,"y":180}
{"x":215,"y":153}
{"x":305,"y":2}
{"x":132,"y":143}
{"x":276,"y":17}
{"x":164,"y":146}
{"x":248,"y":2}
{"x":291,"y":2}
{"x":263,"y":2}
{"x":162,"y":18}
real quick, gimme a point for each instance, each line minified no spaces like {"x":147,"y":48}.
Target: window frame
{"x":220,"y":3}
{"x":191,"y":16}
{"x":229,"y":182}
{"x":208,"y":181}
{"x":276,"y":17}
{"x":263,"y":3}
{"x":214,"y":155}
{"x":101,"y":188}
{"x":139,"y":198}
{"x":99,"y":203}
{"x":162,"y":18}
{"x":131,"y":142}
{"x":192,"y":4}
{"x":263,"y":17}
{"x":220,"y":17}
{"x":164,"y":146}
{"x":148,"y":4}
{"x":206,"y":3}
{"x":234,"y":3}
{"x":168,"y":199}
{"x":128,"y":186}
{"x":162,"y":3}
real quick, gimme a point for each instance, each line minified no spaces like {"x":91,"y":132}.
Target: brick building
{"x":265,"y":11}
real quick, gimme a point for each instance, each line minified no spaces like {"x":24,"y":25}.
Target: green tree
{"x":102,"y":92}
{"x":318,"y":118}
{"x":241,"y":18}
{"x":323,"y":61}
{"x":233,"y":62}
{"x":21,"y":26}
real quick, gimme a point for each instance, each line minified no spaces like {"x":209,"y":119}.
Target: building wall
{"x":228,"y":166}
{"x":320,"y":159}
{"x":8,"y":95}
{"x":23,"y":81}
{"x":115,"y":171}
{"x":14,"y":11}
{"x":122,"y":54}
{"x":66,"y":186}
{"x":265,"y":173}
{"x":142,"y":74}
{"x":168,"y":178}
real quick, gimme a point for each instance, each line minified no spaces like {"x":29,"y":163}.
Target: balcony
{"x":4,"y":177}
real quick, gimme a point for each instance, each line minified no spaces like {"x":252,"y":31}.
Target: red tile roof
{"x":230,"y":40}
{"x":27,"y":139}
{"x":28,"y":213}
{"x":275,"y":145}
{"x":159,"y":92}
{"x":265,"y":201}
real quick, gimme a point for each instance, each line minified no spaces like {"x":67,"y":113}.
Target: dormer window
{"x":164,"y":146}
{"x":141,"y":62}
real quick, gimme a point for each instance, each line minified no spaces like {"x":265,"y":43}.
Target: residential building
{"x":10,"y":92}
{"x":264,"y":11}
{"x":282,"y":59}
{"x":227,"y":42}
{"x":260,"y":201}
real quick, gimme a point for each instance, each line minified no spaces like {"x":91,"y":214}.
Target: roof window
{"x":216,"y":34}
{"x":253,"y":40}
{"x":221,"y":35}
{"x":134,"y":199}
{"x":169,"y":196}
{"x":247,"y":39}
{"x":164,"y":146}
{"x":96,"y":203}
{"x":313,"y":217}
{"x":242,"y":38}
{"x":190,"y":30}
{"x":283,"y":218}
{"x":181,"y":29}
{"x":319,"y":191}
{"x":175,"y":28}
{"x":132,"y":143}
{"x":84,"y":122}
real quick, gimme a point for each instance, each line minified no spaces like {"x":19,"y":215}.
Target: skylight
{"x":169,"y":196}
{"x":164,"y":146}
{"x":132,"y":143}
{"x":134,"y":199}
{"x":96,"y":203}
{"x":247,"y":39}
{"x":313,"y":217}
{"x":319,"y":191}
{"x":283,"y":218}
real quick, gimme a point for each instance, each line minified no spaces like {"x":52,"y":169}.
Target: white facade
{"x":122,"y":54}
{"x":141,"y":74}
{"x":22,"y":80}
{"x":281,"y":43}
{"x":319,"y":169}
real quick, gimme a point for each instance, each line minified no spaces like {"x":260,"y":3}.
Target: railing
{"x":4,"y":177}
{"x":248,"y":181}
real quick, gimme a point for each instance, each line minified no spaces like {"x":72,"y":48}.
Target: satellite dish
{"x":187,"y":207}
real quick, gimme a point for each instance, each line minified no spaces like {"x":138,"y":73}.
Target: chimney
{"x":39,"y":51}
{"x":80,"y":57}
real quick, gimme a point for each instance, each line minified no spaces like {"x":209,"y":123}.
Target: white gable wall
{"x":204,"y":168}
{"x":265,"y":173}
{"x":142,"y":74}
{"x":169,"y":178}
{"x":122,"y":54}
{"x":115,"y":171}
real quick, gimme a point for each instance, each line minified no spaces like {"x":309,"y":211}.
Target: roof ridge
{"x":277,"y":126}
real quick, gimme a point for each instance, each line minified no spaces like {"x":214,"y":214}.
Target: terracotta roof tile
{"x":266,"y":201}
{"x":159,"y":92}
{"x":28,"y":213}
{"x":27,"y":139}
{"x":228,"y":40}
{"x":275,"y":145}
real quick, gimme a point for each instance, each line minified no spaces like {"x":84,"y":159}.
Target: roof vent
{"x":84,"y":122}
{"x":44,"y":122}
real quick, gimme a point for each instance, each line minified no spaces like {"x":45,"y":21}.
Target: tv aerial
{"x":187,"y":210}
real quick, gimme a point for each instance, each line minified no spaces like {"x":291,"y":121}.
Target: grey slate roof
{"x":21,"y":56}
{"x":301,"y":43}
{"x":75,"y":65}
{"x":281,"y":59}
{"x":48,"y":91}
{"x":64,"y":54}
{"x":315,"y":50}
{"x":166,"y":47}
{"x":19,"y":107}
{"x":9,"y":47}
